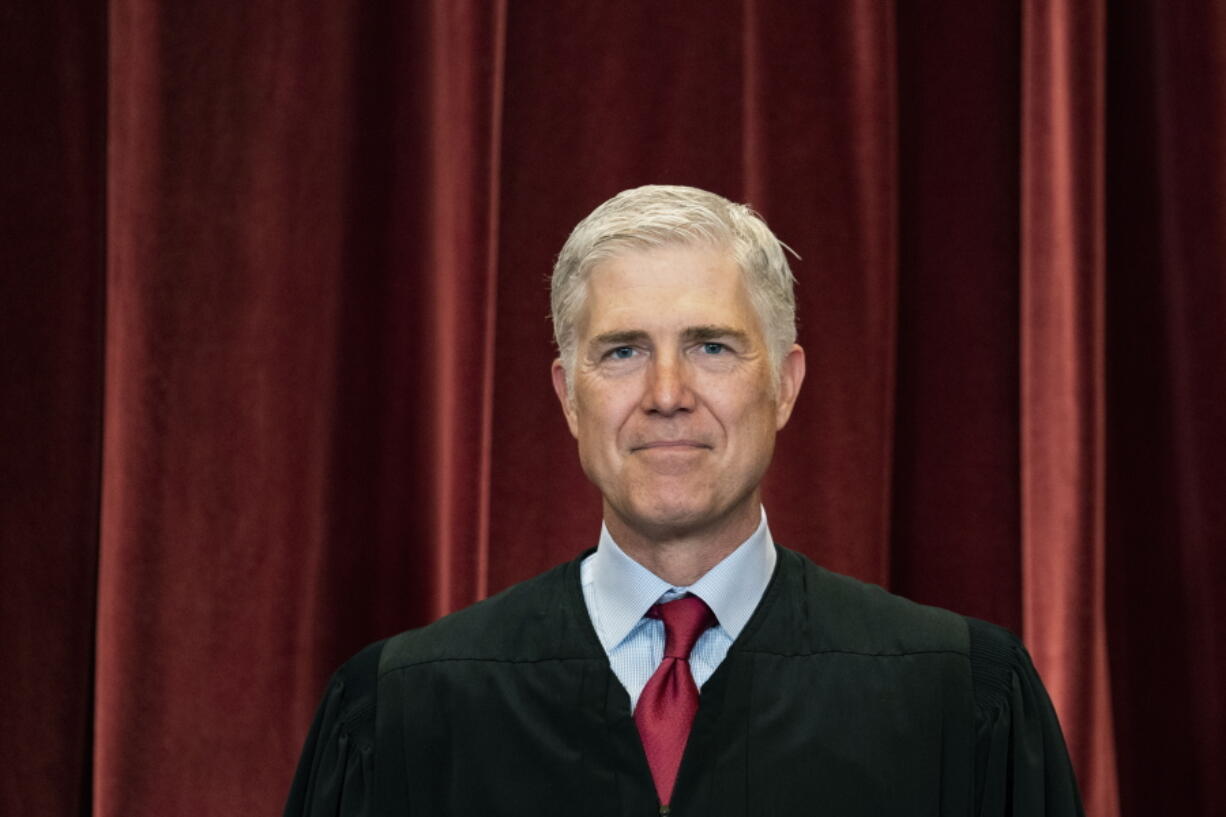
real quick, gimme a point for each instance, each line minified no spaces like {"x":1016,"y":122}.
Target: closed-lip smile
{"x":669,"y":444}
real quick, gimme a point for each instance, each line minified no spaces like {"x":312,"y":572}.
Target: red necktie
{"x":669,"y":702}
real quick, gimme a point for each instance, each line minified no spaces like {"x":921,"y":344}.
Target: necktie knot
{"x":684,"y":621}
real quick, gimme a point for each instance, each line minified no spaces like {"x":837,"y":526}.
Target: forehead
{"x":673,"y":285}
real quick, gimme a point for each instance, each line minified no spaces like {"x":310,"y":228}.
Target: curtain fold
{"x":225,"y":271}
{"x":1166,"y":296}
{"x":956,"y":460}
{"x":833,"y":69}
{"x":53,"y":88}
{"x":276,"y":347}
{"x":300,"y":243}
{"x":1063,"y":390}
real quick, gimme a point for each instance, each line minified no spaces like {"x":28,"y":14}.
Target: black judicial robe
{"x":837,"y":698}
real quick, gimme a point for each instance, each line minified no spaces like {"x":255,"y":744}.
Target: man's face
{"x":673,"y":404}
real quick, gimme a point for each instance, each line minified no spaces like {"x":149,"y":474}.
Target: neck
{"x":681,"y":556}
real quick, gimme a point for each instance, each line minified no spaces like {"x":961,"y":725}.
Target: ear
{"x":791,"y":375}
{"x":558,"y":373}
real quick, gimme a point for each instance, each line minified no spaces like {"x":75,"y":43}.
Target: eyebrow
{"x":691,"y":334}
{"x":622,"y":337}
{"x":698,"y":334}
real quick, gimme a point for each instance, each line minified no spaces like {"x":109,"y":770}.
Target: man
{"x":687,"y":665}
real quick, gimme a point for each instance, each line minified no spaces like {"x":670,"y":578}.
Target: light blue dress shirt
{"x":619,"y":591}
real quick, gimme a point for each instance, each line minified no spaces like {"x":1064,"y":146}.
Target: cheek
{"x":598,"y":430}
{"x":603,"y":412}
{"x":751,"y":423}
{"x":746,"y":404}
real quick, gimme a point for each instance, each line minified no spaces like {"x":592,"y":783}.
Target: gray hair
{"x":656,"y":215}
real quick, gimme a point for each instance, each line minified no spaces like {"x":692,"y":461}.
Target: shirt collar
{"x":624,"y":590}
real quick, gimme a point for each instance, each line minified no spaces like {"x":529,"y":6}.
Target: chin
{"x":674,"y":516}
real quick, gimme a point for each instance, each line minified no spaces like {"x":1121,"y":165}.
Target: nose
{"x":668,"y":388}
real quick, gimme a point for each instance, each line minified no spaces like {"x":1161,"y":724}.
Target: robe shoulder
{"x":1022,"y":764}
{"x":541,"y":618}
{"x":528,"y":621}
{"x":335,"y":773}
{"x":809,"y":609}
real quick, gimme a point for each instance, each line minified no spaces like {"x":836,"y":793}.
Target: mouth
{"x":667,"y":445}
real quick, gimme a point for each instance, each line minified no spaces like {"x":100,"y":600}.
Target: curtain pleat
{"x":955,"y":459}
{"x":276,"y":346}
{"x":226,"y":280}
{"x":1063,"y":395}
{"x":833,"y":69}
{"x":52,"y":177}
{"x":301,"y":232}
{"x":1166,"y":522}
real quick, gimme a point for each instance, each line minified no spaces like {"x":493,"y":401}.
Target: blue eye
{"x":621,"y":353}
{"x":713,"y":348}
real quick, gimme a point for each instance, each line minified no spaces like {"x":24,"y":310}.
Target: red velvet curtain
{"x":275,"y":349}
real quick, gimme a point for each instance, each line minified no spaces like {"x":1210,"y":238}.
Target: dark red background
{"x":275,"y":349}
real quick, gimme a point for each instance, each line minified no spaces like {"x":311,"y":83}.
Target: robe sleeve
{"x":335,"y":774}
{"x":1022,"y":767}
